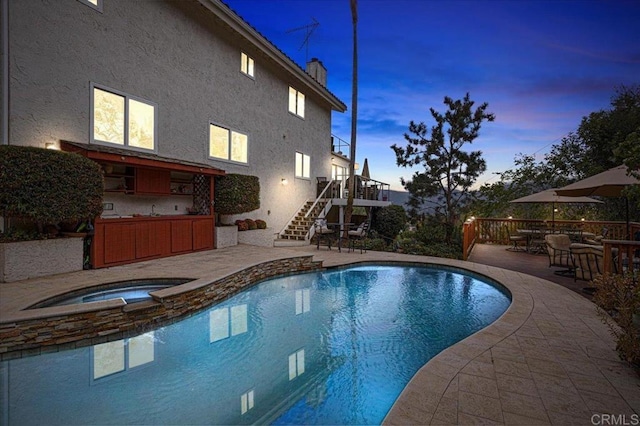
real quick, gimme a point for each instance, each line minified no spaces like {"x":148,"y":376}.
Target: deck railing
{"x":494,"y":231}
{"x":627,"y":258}
{"x":469,"y":238}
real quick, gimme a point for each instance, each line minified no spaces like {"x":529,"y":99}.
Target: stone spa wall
{"x":72,"y":326}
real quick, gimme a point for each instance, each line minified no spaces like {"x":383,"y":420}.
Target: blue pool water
{"x":331,"y":347}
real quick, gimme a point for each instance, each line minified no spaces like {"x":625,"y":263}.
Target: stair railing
{"x":321,"y":196}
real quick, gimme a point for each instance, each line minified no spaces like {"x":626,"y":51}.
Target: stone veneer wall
{"x":79,"y":329}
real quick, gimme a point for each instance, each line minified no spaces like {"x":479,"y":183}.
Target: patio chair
{"x":516,"y":239}
{"x":597,"y":240}
{"x":588,"y":261}
{"x":559,"y":251}
{"x":322,"y":231}
{"x":358,"y":236}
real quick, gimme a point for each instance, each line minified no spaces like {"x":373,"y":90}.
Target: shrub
{"x":261,"y":224}
{"x":48,"y":186}
{"x":235,"y":194}
{"x":242,"y":225}
{"x":618,"y":300}
{"x":389,"y":221}
{"x":251,"y":224}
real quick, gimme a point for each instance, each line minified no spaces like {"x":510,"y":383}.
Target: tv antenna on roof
{"x":309,"y":29}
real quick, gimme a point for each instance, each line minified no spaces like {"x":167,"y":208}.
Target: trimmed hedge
{"x":48,"y":186}
{"x":235,"y":194}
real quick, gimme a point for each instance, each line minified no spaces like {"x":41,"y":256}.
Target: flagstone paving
{"x":548,"y":360}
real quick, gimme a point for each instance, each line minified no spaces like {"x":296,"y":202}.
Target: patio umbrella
{"x":365,"y":170}
{"x":609,"y":183}
{"x":550,"y":196}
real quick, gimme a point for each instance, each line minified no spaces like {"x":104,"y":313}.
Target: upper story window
{"x":296,"y":102}
{"x":227,"y":144}
{"x":96,"y":4}
{"x":246,"y":64}
{"x":303,"y":165}
{"x":123,"y":120}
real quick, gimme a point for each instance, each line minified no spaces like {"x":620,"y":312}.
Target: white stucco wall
{"x":174,"y":55}
{"x":31,"y":259}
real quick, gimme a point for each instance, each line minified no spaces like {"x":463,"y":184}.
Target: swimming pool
{"x":327,"y":347}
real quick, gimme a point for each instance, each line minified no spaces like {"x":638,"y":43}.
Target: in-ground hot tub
{"x":131,"y":291}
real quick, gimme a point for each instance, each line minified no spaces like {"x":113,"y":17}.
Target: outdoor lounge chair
{"x":516,"y":239}
{"x":358,"y":236}
{"x":559,"y":251}
{"x":588,"y":261}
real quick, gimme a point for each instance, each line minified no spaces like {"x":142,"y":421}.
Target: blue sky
{"x":541,"y":66}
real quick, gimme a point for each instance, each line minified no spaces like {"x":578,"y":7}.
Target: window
{"x":296,"y":364}
{"x":303,"y":301}
{"x":225,"y":322}
{"x":122,"y":120}
{"x":246,"y":401}
{"x":115,"y":357}
{"x":96,"y":4}
{"x":246,"y":64}
{"x":303,"y":165}
{"x":227,"y":144}
{"x":296,"y":102}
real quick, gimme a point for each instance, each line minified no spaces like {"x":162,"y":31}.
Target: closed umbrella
{"x":551,"y":196}
{"x":609,"y":183}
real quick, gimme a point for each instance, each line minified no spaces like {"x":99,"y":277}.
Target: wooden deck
{"x":532,"y":264}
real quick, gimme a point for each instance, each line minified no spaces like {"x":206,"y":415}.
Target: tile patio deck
{"x":547,"y":360}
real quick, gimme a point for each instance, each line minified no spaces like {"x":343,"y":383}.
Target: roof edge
{"x":237,"y":23}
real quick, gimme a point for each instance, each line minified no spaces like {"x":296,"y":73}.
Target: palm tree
{"x":354,"y":113}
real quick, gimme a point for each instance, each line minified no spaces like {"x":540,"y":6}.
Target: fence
{"x":496,"y":230}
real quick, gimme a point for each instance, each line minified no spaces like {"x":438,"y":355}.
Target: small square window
{"x":303,"y":165}
{"x":228,"y":144}
{"x":96,"y":4}
{"x":296,"y":102}
{"x":246,"y":64}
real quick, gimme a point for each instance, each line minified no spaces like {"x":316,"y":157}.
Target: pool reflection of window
{"x":246,"y":401}
{"x":115,"y":357}
{"x":225,"y":322}
{"x":296,"y":364}
{"x":303,"y":301}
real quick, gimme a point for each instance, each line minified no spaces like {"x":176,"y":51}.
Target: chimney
{"x":316,"y":70}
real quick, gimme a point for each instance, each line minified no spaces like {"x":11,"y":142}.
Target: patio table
{"x":535,"y":238}
{"x":341,"y":229}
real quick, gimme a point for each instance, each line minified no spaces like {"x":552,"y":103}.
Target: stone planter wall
{"x":257,"y":237}
{"x":226,"y":236}
{"x":71,"y":326}
{"x":30,"y":259}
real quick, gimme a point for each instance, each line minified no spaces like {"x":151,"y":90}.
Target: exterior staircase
{"x":298,"y":229}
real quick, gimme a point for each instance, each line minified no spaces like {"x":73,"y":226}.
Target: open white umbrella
{"x":609,"y":183}
{"x":551,"y":196}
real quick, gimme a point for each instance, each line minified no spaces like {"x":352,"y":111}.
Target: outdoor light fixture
{"x":283,"y":181}
{"x":510,"y":217}
{"x":50,"y":145}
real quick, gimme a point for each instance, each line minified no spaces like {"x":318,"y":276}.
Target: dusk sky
{"x":541,"y":66}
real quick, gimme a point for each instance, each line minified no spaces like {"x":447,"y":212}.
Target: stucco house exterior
{"x":165,"y":95}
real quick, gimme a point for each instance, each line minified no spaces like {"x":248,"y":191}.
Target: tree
{"x":354,"y":114}
{"x":595,"y":146}
{"x":449,"y":171}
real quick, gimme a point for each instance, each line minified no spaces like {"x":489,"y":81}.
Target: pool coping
{"x":547,"y":359}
